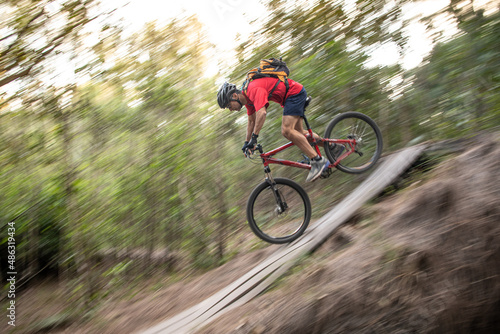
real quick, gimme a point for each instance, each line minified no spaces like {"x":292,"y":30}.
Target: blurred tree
{"x":456,"y":91}
{"x":35,"y":29}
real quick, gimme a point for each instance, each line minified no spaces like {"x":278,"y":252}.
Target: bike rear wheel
{"x":278,"y":213}
{"x":368,"y":148}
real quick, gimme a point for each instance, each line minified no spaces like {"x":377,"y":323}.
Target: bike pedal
{"x":326,"y":173}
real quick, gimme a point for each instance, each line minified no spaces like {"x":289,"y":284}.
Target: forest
{"x":128,"y":169}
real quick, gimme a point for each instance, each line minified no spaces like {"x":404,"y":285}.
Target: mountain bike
{"x":278,"y":209}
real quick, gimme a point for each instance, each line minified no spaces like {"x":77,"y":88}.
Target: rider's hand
{"x":251,"y":144}
{"x":244,"y":148}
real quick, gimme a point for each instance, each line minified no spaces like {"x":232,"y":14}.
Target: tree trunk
{"x":221,"y":203}
{"x":405,"y":124}
{"x":151,"y":204}
{"x":33,"y":240}
{"x":73,"y":237}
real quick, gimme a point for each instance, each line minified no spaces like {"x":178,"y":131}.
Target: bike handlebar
{"x":249,"y":152}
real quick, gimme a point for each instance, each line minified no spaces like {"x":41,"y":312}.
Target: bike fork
{"x":280,"y":202}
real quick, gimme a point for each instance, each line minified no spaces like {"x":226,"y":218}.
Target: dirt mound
{"x":428,"y":263}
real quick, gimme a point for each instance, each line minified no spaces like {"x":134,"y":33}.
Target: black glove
{"x":244,"y":148}
{"x":251,"y":144}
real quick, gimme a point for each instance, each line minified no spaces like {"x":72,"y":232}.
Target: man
{"x":256,"y":100}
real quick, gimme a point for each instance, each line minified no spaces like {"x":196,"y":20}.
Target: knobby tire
{"x":274,"y":227}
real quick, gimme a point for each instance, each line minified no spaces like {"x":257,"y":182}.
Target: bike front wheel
{"x":368,"y":138}
{"x":278,"y":213}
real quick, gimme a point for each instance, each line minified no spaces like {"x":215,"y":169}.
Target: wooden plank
{"x":263,"y":275}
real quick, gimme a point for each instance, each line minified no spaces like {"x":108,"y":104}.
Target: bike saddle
{"x":308,"y":100}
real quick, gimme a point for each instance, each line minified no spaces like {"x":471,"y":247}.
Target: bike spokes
{"x":279,"y":213}
{"x":365,"y":141}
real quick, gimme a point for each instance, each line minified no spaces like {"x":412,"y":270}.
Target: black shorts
{"x":294,"y":105}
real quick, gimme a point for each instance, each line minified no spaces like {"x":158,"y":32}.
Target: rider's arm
{"x":250,"y":126}
{"x":260,"y":118}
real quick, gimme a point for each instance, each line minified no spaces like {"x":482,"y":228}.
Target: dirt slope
{"x":427,"y":262}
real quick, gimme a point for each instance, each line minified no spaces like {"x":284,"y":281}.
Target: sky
{"x":224,"y":19}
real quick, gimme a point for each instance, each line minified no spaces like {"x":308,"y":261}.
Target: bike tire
{"x":368,"y":137}
{"x":264,"y":217}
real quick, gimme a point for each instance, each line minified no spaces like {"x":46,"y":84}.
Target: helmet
{"x":224,"y":94}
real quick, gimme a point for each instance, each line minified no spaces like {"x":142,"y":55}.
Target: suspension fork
{"x":277,"y":195}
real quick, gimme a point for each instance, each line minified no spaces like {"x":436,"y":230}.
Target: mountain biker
{"x":256,"y":100}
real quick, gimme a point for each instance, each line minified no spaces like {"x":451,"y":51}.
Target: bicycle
{"x":278,"y":209}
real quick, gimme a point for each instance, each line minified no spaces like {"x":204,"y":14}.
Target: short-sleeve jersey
{"x":258,"y":91}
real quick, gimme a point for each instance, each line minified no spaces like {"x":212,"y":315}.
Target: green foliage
{"x":35,"y":31}
{"x":459,"y":86}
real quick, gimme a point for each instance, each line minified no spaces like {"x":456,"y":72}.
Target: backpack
{"x":274,"y":68}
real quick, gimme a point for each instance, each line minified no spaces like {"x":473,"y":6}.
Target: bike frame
{"x":267,"y":157}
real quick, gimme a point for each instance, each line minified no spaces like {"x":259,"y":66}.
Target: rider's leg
{"x":299,"y":127}
{"x":289,"y":130}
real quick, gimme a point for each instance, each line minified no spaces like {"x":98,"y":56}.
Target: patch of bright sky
{"x":226,"y":19}
{"x":420,"y":43}
{"x":223,"y":19}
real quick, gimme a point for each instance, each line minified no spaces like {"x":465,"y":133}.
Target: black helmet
{"x":225,"y":93}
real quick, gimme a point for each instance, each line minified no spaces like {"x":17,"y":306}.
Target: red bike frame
{"x":267,"y":158}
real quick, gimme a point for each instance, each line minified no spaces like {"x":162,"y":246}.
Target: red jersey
{"x":259,"y":89}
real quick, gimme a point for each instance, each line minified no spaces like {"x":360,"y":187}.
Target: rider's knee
{"x":286,"y":132}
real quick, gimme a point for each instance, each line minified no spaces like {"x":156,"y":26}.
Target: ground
{"x":424,"y":259}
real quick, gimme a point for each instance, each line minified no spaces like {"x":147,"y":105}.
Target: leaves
{"x":36,"y":31}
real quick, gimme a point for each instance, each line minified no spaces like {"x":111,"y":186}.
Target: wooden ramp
{"x":263,"y":275}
